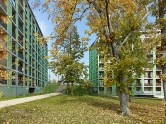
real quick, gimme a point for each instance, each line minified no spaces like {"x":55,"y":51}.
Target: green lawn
{"x":49,"y":88}
{"x":83,"y":109}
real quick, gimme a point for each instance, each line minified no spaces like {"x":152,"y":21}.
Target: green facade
{"x":148,"y":84}
{"x":22,"y":57}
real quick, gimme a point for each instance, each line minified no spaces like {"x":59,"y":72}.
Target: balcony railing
{"x":148,"y":84}
{"x":158,"y":84}
{"x":148,"y":92}
{"x":3,"y":23}
{"x":3,"y":5}
{"x":138,"y":92}
{"x":158,"y":92}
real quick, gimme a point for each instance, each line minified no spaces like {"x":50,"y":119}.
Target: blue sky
{"x":46,"y":27}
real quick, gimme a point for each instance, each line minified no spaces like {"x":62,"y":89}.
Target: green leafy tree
{"x":117,"y":23}
{"x":67,"y":58}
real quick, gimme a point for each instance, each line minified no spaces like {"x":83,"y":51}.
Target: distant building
{"x":148,"y":84}
{"x":22,"y":58}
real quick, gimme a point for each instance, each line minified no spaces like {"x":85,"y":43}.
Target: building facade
{"x":23,"y":66}
{"x":149,"y":84}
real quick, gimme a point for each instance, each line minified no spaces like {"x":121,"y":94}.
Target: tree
{"x":118,"y":25}
{"x":160,"y":23}
{"x":67,"y":58}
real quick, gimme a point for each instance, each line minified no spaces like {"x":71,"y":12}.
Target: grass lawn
{"x":83,"y":109}
{"x":49,"y":88}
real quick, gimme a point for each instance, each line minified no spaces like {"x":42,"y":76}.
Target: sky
{"x":46,"y":27}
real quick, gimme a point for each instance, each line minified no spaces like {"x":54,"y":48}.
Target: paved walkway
{"x":26,"y":99}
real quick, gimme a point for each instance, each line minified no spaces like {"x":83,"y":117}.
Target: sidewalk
{"x":26,"y":99}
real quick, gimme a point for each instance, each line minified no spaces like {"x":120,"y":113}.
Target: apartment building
{"x":23,"y":66}
{"x":149,"y":84}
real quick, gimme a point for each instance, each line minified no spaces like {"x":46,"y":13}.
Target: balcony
{"x":3,"y":42}
{"x":25,"y":71}
{"x":20,"y":69}
{"x":26,"y":24}
{"x":26,"y":11}
{"x":14,"y":67}
{"x":21,"y":29}
{"x":14,"y":35}
{"x":138,"y":84}
{"x":3,"y":5}
{"x":21,"y":3}
{"x":3,"y":23}
{"x":158,"y":92}
{"x":148,"y":84}
{"x":138,"y":92}
{"x":25,"y":59}
{"x":30,"y":40}
{"x":20,"y":15}
{"x":3,"y":62}
{"x":20,"y":55}
{"x":20,"y":83}
{"x":158,"y":84}
{"x":25,"y":35}
{"x":148,"y":92}
{"x":25,"y":83}
{"x":13,"y":82}
{"x":14,"y":20}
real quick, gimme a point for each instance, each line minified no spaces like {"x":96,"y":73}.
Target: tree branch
{"x":146,"y":15}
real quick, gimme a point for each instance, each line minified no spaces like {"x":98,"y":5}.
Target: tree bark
{"x":123,"y":103}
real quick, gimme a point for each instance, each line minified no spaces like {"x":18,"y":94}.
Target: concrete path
{"x":26,"y":99}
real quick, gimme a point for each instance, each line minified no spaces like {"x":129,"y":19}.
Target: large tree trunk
{"x":123,"y":103}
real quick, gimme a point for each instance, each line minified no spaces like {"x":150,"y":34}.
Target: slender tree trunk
{"x":128,"y":98}
{"x":72,"y":89}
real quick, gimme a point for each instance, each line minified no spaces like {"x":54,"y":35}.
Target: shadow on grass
{"x":105,"y":105}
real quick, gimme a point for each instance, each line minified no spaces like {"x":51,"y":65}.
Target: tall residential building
{"x":148,"y":84}
{"x":23,"y":65}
